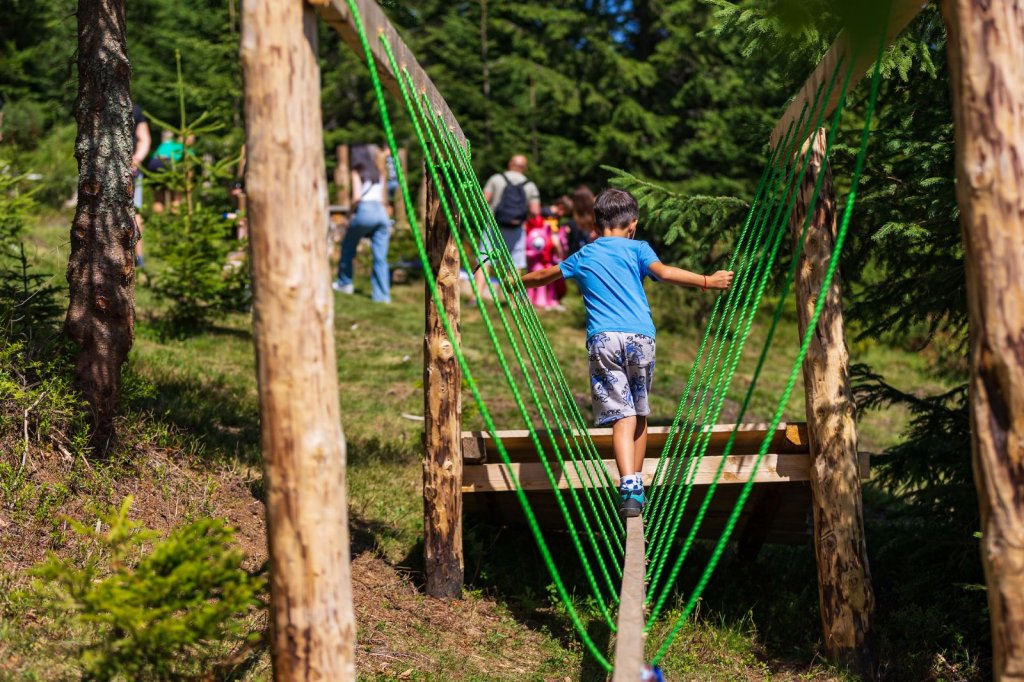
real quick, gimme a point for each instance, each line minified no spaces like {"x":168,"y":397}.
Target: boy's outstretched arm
{"x":667,"y":273}
{"x":539,"y":278}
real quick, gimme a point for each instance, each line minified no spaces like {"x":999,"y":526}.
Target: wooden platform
{"x":778,"y":509}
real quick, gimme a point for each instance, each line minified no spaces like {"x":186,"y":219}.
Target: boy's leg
{"x":622,"y":440}
{"x":639,"y":444}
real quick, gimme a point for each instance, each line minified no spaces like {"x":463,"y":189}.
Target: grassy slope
{"x":508,"y":627}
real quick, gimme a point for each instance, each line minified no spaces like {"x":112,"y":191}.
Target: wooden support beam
{"x":844,"y":579}
{"x":774,"y":468}
{"x":985,"y":46}
{"x":342,"y":178}
{"x":479,"y":447}
{"x":442,"y":397}
{"x":336,"y":13}
{"x":629,"y":626}
{"x":901,"y":14}
{"x":312,"y":626}
{"x":401,"y":218}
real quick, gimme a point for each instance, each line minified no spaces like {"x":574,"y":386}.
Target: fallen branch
{"x":24,"y":455}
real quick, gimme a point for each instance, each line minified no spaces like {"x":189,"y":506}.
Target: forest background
{"x":673,"y":99}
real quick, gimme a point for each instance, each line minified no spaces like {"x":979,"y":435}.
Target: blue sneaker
{"x":631,"y":502}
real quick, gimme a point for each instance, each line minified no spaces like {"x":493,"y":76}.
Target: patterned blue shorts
{"x":621,"y":370}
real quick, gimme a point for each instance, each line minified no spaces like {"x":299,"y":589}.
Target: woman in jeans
{"x":369,"y":219}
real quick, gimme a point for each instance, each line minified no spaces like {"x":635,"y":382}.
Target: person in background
{"x":143,"y":140}
{"x":583,"y":216}
{"x":543,"y":249}
{"x":513,"y":199}
{"x":170,"y":151}
{"x":559,"y":220}
{"x":369,"y":219}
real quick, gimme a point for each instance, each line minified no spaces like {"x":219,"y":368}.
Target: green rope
{"x":463,"y":213}
{"x":656,"y":515}
{"x":574,"y":534}
{"x":797,"y":364}
{"x":485,"y":414}
{"x":752,"y":299}
{"x":519,"y":305}
{"x":708,"y":372}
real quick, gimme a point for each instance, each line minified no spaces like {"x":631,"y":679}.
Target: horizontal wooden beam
{"x":774,"y":468}
{"x":902,"y":13}
{"x":336,"y":13}
{"x":479,"y":446}
{"x":629,"y":635}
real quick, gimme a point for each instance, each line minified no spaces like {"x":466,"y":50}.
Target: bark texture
{"x":442,"y":397}
{"x":101,"y":267}
{"x":844,"y":578}
{"x":986,"y":57}
{"x":312,"y":622}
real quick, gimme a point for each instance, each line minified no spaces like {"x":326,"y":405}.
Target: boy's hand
{"x":720,"y":280}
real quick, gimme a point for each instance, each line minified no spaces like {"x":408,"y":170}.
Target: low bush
{"x":161,"y":612}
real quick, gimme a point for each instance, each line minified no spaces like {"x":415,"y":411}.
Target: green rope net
{"x":535,"y":380}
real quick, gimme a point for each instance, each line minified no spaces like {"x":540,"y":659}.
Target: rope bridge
{"x":628,"y":567}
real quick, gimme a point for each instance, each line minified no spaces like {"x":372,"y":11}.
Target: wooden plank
{"x":774,"y":468}
{"x":792,"y":524}
{"x":902,"y":13}
{"x":479,"y":446}
{"x":629,"y":636}
{"x":336,"y":13}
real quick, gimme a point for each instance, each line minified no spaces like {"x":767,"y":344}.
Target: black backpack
{"x":512,"y":209}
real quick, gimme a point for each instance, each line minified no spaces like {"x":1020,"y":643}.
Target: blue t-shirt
{"x":611,"y":274}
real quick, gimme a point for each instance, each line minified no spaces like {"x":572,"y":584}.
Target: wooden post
{"x":421,"y":201}
{"x":382,"y":170}
{"x":401,"y":219}
{"x":985,"y":45}
{"x":844,"y":578}
{"x":342,"y":178}
{"x":312,"y":622}
{"x":442,"y":397}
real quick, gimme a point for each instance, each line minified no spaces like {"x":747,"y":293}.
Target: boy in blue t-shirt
{"x":620,"y":329}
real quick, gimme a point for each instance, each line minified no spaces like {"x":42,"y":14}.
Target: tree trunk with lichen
{"x":101,"y":267}
{"x":985,"y":46}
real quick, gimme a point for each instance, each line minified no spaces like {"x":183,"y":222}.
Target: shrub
{"x":197,"y":281}
{"x":161,"y":614}
{"x":27,"y":302}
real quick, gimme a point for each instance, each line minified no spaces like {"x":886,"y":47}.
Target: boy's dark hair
{"x":615,"y":209}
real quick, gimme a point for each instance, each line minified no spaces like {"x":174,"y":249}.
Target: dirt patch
{"x":402,"y":632}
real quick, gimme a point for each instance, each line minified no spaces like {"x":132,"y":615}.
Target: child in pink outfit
{"x":542,"y":251}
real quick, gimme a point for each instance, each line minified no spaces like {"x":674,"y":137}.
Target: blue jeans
{"x":370,"y":220}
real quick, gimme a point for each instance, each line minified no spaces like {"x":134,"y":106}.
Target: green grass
{"x":205,"y":394}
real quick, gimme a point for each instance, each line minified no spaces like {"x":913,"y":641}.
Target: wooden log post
{"x":312,"y":623}
{"x":985,"y":45}
{"x":844,"y":579}
{"x":442,"y":397}
{"x":382,"y":171}
{"x":401,"y":219}
{"x":342,"y":178}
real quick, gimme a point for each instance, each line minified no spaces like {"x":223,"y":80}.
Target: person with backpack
{"x":513,"y":199}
